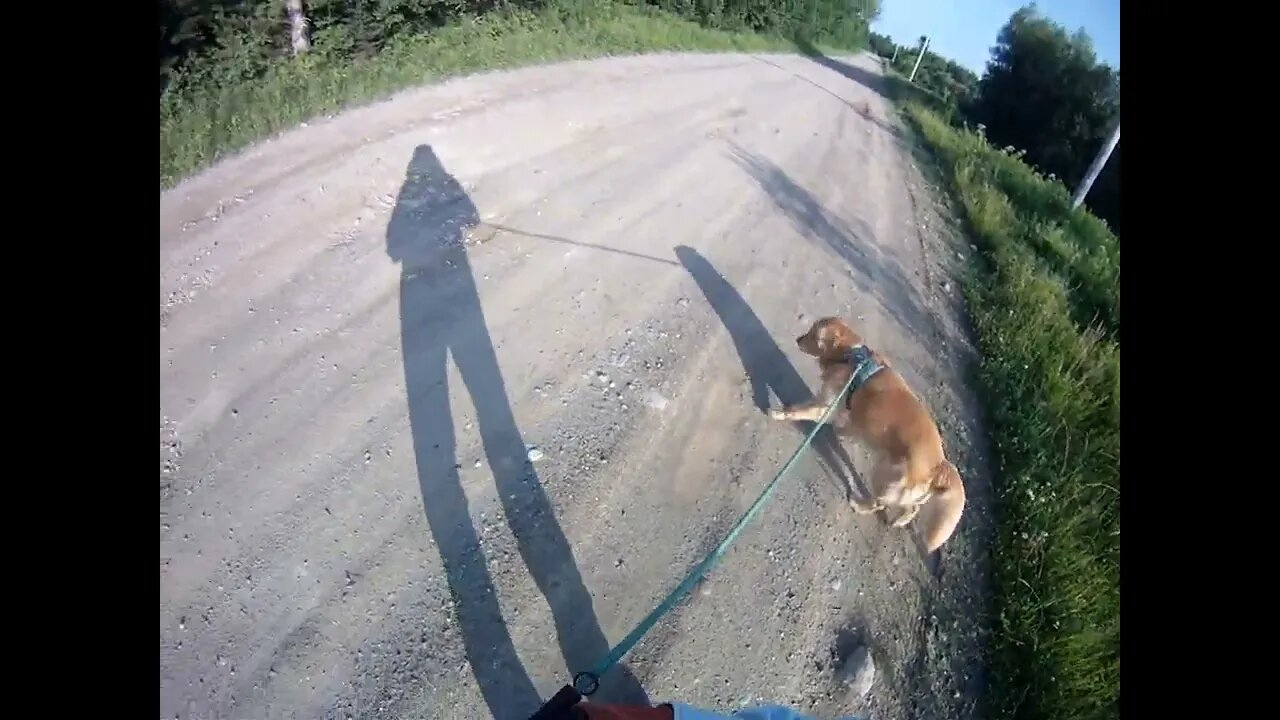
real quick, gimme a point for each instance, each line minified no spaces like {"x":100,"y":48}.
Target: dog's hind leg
{"x":884,"y":488}
{"x":907,"y":516}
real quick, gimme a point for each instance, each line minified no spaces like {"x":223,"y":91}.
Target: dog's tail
{"x":941,"y":514}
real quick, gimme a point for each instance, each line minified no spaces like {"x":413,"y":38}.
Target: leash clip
{"x":586,"y":683}
{"x":560,"y":705}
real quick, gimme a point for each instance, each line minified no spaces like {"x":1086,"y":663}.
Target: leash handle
{"x":559,"y":706}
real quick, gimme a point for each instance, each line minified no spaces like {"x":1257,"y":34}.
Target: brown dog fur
{"x":910,"y":470}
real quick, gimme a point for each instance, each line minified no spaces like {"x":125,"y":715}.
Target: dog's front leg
{"x":811,"y":411}
{"x":864,"y":508}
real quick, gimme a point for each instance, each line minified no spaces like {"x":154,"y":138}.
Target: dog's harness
{"x":864,"y":366}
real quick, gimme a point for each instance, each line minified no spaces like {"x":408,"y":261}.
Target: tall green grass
{"x":1045,"y":302}
{"x":200,"y":124}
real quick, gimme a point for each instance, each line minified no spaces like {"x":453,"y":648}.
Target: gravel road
{"x":455,"y":387}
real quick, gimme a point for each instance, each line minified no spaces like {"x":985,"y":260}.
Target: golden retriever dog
{"x":910,"y":471}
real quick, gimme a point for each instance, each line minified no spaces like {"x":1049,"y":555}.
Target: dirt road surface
{"x":455,"y":387}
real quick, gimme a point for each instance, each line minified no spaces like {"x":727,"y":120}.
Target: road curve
{"x":454,"y":387}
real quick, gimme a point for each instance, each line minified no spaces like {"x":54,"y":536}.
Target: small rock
{"x":858,"y":672}
{"x":602,"y":377}
{"x":535,"y":454}
{"x":656,"y":400}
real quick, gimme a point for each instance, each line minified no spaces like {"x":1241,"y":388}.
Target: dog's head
{"x":829,"y":338}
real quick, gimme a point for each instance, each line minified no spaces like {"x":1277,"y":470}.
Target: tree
{"x":299,"y":40}
{"x":881,"y":45}
{"x":184,"y":26}
{"x":1045,"y":92}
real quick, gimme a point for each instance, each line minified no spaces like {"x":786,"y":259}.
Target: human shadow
{"x":871,"y":81}
{"x":814,"y":84}
{"x":765,"y":363}
{"x":441,"y":316}
{"x":876,"y":272}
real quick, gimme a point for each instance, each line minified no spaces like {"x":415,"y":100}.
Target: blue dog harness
{"x":864,"y":366}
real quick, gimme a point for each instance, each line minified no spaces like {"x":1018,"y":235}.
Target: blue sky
{"x":965,"y":30}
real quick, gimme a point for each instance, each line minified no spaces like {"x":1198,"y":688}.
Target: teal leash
{"x":588,"y":682}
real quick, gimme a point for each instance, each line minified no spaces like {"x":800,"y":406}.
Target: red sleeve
{"x":595,"y":711}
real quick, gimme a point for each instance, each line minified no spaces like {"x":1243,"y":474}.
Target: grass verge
{"x":1045,"y":303}
{"x":201,"y":125}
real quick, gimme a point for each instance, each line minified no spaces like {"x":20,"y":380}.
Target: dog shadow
{"x":860,"y":107}
{"x":441,"y":318}
{"x":852,"y":242}
{"x":766,"y":365}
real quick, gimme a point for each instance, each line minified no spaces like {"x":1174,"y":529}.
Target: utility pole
{"x":923,"y":47}
{"x":1095,"y":169}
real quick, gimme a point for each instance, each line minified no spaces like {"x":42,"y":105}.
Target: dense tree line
{"x":204,"y":41}
{"x":843,"y":23}
{"x":238,"y":39}
{"x":1044,"y":91}
{"x":952,"y":82}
